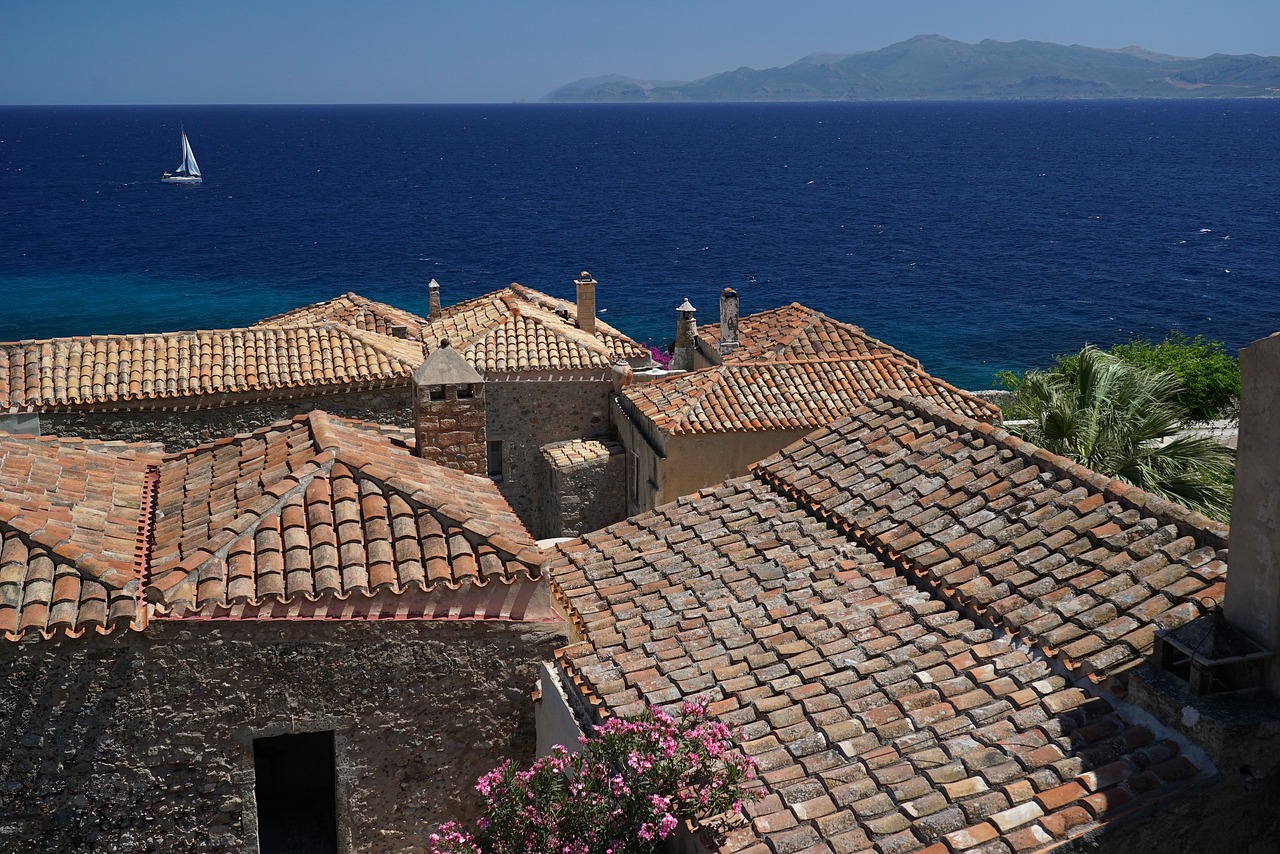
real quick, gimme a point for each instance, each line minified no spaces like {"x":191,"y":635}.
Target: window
{"x":436,"y":392}
{"x":296,"y":788}
{"x":495,"y":460}
{"x":635,"y":479}
{"x":466,"y":390}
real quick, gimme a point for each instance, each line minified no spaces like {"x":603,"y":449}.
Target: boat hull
{"x":180,"y":179}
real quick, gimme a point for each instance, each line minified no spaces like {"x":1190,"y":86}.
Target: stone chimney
{"x":399,"y":330}
{"x":449,"y":412}
{"x":586,"y":303}
{"x":1253,"y":581}
{"x":433,"y":304}
{"x":686,"y":336}
{"x":728,"y":321}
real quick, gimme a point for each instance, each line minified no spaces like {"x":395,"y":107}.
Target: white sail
{"x":189,"y":158}
{"x":188,"y":172}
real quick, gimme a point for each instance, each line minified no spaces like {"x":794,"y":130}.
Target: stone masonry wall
{"x":587,"y":486}
{"x":524,"y":416}
{"x":179,"y":430}
{"x":143,"y":742}
{"x":451,"y":431}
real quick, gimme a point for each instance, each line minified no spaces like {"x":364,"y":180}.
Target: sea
{"x":975,"y":236}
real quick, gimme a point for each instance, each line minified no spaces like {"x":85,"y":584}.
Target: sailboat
{"x":188,"y":172}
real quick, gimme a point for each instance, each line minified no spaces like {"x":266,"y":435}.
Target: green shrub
{"x":1209,"y":375}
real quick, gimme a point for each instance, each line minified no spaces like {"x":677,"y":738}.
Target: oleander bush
{"x":624,"y":792}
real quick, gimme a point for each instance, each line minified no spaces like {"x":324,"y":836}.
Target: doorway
{"x":296,"y":788}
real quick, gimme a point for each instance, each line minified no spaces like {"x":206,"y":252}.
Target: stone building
{"x":350,"y":356}
{"x":546,"y":367}
{"x":770,"y":379}
{"x":586,"y":485}
{"x":935,"y":637}
{"x":298,"y":638}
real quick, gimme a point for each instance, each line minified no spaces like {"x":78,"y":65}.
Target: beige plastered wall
{"x":699,"y":460}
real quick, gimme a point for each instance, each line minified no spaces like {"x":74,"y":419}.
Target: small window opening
{"x":495,"y":460}
{"x":635,"y":478}
{"x":436,"y":392}
{"x":1211,"y":656}
{"x":296,"y":789}
{"x":465,"y":390}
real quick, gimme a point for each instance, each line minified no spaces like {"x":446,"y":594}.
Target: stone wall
{"x":586,"y":481}
{"x":1223,"y":816}
{"x":179,"y":430}
{"x":450,"y":431}
{"x":524,"y":416}
{"x":144,"y":741}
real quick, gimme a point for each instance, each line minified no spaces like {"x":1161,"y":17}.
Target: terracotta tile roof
{"x":1083,"y":566}
{"x":312,"y":512}
{"x":179,"y":368}
{"x":518,"y":329}
{"x":341,"y":343}
{"x":313,"y":518}
{"x":809,"y":604}
{"x":797,"y":332}
{"x":788,"y":395}
{"x":70,"y":516}
{"x":351,"y":310}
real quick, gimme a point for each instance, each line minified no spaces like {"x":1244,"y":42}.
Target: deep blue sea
{"x":976,"y":236}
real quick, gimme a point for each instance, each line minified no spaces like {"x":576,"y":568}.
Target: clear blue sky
{"x":442,"y":51}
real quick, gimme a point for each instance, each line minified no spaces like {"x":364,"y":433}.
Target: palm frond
{"x":1124,"y":421}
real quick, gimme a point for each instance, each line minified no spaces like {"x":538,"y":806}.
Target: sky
{"x":486,"y":51}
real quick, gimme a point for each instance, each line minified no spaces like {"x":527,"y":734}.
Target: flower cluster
{"x":621,"y":793}
{"x":659,"y":355}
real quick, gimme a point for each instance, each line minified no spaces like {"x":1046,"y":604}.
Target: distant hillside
{"x":934,"y":67}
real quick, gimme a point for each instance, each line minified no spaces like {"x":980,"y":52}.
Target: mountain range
{"x":937,"y":68}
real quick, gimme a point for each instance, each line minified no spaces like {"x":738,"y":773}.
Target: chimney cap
{"x":685,"y":306}
{"x":728,"y":292}
{"x":432,"y":284}
{"x":585,"y":276}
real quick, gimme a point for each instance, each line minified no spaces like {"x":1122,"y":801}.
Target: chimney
{"x":433,"y":306}
{"x":686,"y":335}
{"x":728,"y":321}
{"x":399,"y":330}
{"x":1253,"y":584}
{"x":586,"y":303}
{"x":449,"y":413}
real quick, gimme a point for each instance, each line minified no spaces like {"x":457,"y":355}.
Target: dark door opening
{"x":295,"y":785}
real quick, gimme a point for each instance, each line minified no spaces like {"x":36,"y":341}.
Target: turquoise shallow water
{"x":975,"y":236}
